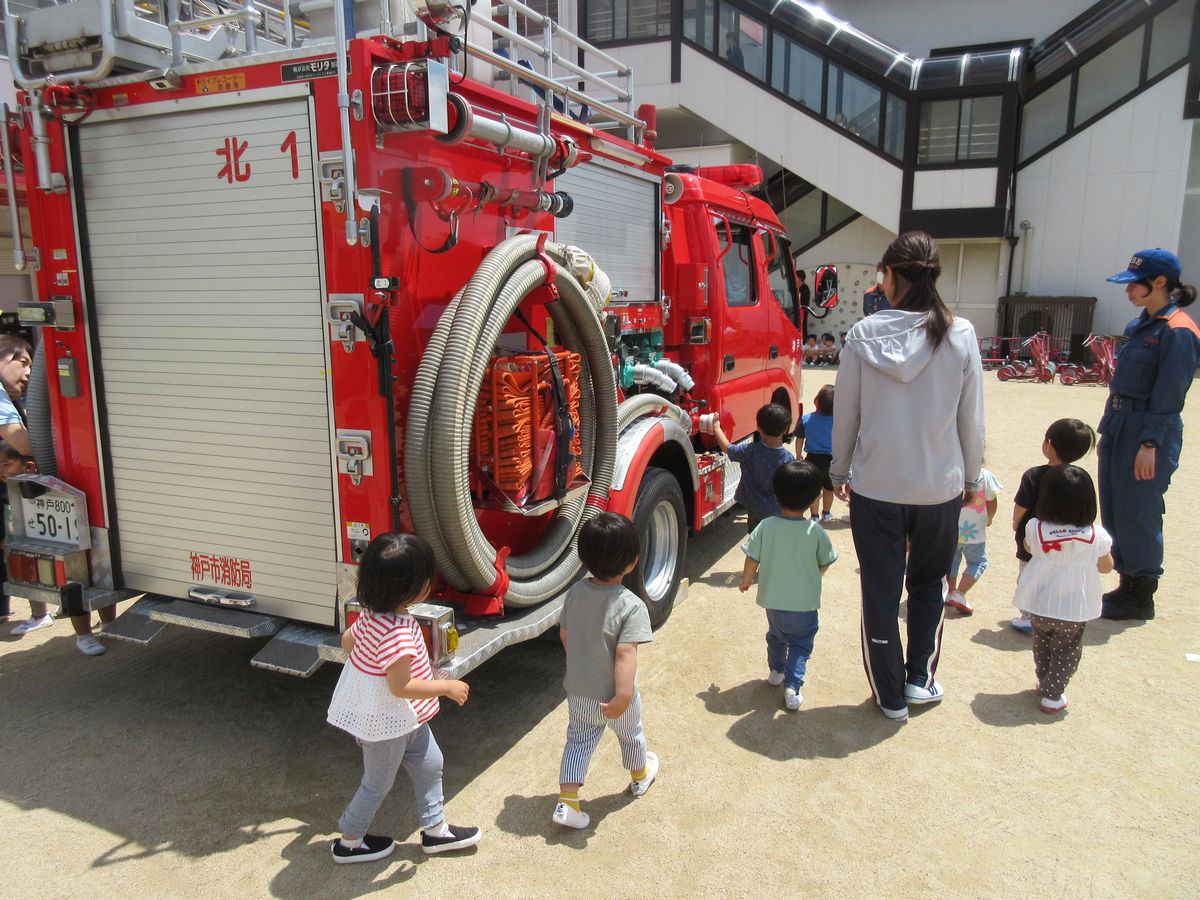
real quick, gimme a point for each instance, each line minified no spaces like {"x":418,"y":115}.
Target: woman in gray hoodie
{"x":907,"y":440}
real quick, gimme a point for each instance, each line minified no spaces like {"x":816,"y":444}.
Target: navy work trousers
{"x":1131,"y":510}
{"x":881,"y":531}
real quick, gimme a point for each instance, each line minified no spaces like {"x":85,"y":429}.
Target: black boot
{"x":1136,"y":603}
{"x":1121,"y":593}
{"x":1143,"y":592}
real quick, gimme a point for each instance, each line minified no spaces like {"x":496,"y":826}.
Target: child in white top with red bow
{"x":386,"y":696}
{"x":1060,"y":587}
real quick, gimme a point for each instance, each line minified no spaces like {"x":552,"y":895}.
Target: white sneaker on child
{"x":33,"y":623}
{"x":638,"y":787}
{"x":792,"y":698}
{"x":569,"y":817}
{"x":775,"y":679}
{"x":89,"y":645}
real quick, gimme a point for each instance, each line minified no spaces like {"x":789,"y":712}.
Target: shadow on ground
{"x":181,"y":746}
{"x":1012,"y":710}
{"x":530,"y":817}
{"x":1005,"y":637}
{"x":765,"y":728}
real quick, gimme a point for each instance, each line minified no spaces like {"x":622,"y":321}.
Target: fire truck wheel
{"x":660,"y":518}
{"x":1004,"y":373}
{"x":1067,"y":376}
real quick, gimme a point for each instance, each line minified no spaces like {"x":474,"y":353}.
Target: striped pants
{"x":585,"y":725}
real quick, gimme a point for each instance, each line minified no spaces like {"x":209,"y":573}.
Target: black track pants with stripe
{"x":881,"y":531}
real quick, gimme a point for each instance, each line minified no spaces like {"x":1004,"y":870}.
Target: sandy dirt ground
{"x":178,"y":770}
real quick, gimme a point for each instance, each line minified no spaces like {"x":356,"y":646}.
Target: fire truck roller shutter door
{"x":443,"y":403}
{"x":203,"y":246}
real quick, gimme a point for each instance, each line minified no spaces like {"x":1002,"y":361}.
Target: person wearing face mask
{"x":1141,"y":432}
{"x":875,"y":299}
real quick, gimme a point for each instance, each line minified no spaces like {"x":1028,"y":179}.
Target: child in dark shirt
{"x":817,"y":432}
{"x":759,"y":460}
{"x":1066,"y":441}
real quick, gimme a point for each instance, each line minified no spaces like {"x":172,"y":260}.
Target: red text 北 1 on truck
{"x":296,"y":293}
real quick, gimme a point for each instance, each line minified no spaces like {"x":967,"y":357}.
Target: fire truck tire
{"x":1067,"y":376}
{"x":661,"y":520}
{"x":1004,"y":373}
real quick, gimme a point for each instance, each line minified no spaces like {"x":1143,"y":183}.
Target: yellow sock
{"x":571,"y":798}
{"x":641,"y":773}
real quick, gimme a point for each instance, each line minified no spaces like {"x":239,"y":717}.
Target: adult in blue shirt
{"x":15,"y":363}
{"x":1141,"y":433}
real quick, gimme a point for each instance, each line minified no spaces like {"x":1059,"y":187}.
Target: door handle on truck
{"x":774,"y":352}
{"x":729,"y":363}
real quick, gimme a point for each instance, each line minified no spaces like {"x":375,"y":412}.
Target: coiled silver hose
{"x":442,"y":412}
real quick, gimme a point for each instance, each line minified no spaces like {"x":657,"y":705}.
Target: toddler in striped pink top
{"x":386,"y":696}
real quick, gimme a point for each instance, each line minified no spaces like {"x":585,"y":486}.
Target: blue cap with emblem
{"x":1149,"y":264}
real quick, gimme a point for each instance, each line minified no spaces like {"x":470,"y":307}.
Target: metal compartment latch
{"x":354,"y":454}
{"x":331,"y":169}
{"x":341,"y":310}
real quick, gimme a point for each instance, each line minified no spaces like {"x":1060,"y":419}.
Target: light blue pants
{"x":974,"y":555}
{"x":421,"y":757}
{"x":790,"y":637}
{"x":585,"y":725}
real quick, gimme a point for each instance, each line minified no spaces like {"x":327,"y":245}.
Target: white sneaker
{"x":896,"y":715}
{"x":89,"y":645}
{"x":33,"y":623}
{"x":775,"y":679}
{"x":792,"y":698}
{"x":639,"y":787}
{"x":914,"y":693}
{"x":569,"y":817}
{"x":845,"y":518}
{"x":1050,"y":705}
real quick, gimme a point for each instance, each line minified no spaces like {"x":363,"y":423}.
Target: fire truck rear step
{"x":137,"y":623}
{"x":295,"y":650}
{"x":479,"y":639}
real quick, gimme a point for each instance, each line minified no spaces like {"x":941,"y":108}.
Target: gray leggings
{"x":421,"y":757}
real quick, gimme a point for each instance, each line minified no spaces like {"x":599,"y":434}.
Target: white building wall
{"x":1112,"y":189}
{"x":712,"y":155}
{"x":919,"y":27}
{"x":812,"y":149}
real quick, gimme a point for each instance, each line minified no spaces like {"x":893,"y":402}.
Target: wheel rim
{"x":662,"y":552}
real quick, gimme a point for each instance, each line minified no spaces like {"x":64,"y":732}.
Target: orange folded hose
{"x":516,"y":398}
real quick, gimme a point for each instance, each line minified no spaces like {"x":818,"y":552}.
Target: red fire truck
{"x":298,"y":293}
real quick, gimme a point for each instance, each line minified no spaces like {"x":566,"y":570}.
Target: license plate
{"x":53,"y":517}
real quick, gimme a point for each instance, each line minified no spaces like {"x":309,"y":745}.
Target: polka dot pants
{"x":1057,"y":649}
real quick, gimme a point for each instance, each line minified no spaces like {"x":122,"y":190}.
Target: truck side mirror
{"x":825,"y":284}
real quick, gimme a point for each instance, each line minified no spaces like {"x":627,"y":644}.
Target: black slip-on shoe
{"x":373,"y":847}
{"x":459,"y":838}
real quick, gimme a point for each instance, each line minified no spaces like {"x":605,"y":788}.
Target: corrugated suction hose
{"x":442,"y":410}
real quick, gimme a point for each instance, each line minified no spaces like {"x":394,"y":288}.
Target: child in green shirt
{"x":790,"y":553}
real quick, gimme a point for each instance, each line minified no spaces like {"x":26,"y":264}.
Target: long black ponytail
{"x":915,"y":257}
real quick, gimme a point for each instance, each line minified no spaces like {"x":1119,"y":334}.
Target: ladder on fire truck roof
{"x":93,"y":41}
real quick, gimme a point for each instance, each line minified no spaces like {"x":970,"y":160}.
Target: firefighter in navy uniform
{"x":1141,"y":433}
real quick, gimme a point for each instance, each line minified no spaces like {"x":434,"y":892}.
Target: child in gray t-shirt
{"x":601,"y":627}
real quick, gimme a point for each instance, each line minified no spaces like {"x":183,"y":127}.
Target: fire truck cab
{"x":296,"y":292}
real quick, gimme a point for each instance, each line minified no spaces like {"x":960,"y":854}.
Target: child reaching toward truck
{"x":759,"y":460}
{"x":602,"y":624}
{"x":387,"y":695}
